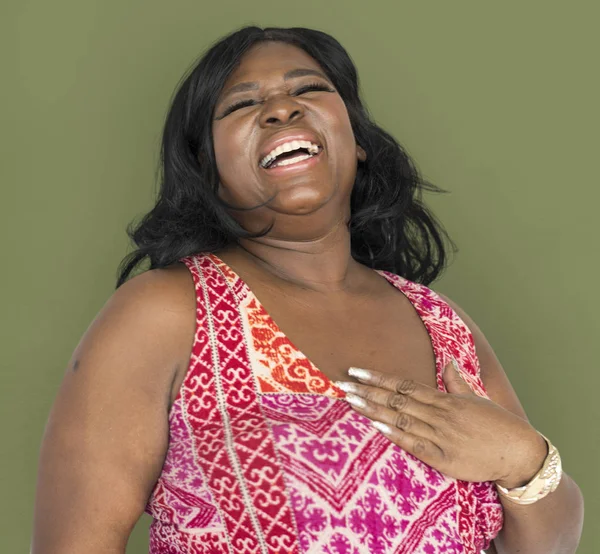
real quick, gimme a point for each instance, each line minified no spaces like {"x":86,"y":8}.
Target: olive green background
{"x":497,"y":103}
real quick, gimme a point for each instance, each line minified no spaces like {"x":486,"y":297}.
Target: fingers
{"x":407,"y":387}
{"x":394,"y":402}
{"x":400,"y":420}
{"x":419,"y":446}
{"x":407,"y":431}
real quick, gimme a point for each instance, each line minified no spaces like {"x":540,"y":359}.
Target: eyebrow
{"x":253,"y":85}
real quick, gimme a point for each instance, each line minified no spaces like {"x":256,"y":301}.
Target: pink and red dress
{"x":266,"y":457}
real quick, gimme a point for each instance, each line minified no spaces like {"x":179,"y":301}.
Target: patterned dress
{"x":266,"y":457}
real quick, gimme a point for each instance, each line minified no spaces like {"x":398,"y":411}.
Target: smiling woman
{"x":281,"y":379}
{"x":206,"y":159}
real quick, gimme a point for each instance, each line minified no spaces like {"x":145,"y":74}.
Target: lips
{"x":289,"y":135}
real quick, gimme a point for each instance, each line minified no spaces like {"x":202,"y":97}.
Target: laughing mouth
{"x":290,"y":153}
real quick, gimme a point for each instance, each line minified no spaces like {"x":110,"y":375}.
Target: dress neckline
{"x":243,"y":291}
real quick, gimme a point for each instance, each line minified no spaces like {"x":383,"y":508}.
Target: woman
{"x":281,"y":379}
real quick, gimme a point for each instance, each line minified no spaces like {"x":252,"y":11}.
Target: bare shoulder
{"x":153,"y":315}
{"x":163,"y":299}
{"x":493,"y":376}
{"x":153,"y":310}
{"x":169,"y":287}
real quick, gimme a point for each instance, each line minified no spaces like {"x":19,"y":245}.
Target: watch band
{"x":544,"y":482}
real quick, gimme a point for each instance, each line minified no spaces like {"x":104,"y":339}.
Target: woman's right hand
{"x":107,"y":434}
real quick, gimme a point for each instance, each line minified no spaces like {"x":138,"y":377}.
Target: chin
{"x":300,"y":200}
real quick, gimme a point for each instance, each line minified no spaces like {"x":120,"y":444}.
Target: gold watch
{"x":544,"y":482}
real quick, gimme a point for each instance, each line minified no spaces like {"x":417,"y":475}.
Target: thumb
{"x":453,"y":379}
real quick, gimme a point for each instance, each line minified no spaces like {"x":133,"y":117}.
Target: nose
{"x":280,"y":110}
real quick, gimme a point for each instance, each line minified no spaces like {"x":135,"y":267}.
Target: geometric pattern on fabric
{"x":324,"y":451}
{"x":265,"y":456}
{"x":231,"y":441}
{"x":449,"y":335}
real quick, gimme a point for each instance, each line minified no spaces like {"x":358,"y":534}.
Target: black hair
{"x":391,"y":228}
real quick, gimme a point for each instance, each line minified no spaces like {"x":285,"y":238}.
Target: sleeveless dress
{"x":266,"y":457}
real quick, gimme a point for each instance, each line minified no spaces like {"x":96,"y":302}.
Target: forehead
{"x":267,"y":59}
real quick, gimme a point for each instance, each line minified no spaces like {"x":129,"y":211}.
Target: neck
{"x":323,"y":265}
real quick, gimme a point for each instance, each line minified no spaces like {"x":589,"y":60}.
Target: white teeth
{"x":288,"y":147}
{"x":293,"y":160}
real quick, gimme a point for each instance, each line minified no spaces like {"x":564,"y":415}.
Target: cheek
{"x":338,"y":121}
{"x":237,"y":183}
{"x":230,"y":154}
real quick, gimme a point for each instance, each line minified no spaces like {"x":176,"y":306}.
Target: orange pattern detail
{"x":281,"y":366}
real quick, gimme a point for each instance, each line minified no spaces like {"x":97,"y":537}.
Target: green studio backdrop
{"x":498,"y":103}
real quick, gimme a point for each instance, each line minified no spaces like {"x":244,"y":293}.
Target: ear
{"x":360,"y":153}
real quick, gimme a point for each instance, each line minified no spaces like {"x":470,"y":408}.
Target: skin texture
{"x":107,"y":434}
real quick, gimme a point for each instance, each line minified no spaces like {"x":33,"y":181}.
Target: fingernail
{"x":385,"y":429}
{"x":363,"y":374}
{"x":356,"y":401}
{"x":346,"y":386}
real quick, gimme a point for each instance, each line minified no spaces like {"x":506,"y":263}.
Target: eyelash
{"x":305,"y":88}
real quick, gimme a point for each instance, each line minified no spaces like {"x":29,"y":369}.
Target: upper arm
{"x":107,"y":434}
{"x":493,"y":376}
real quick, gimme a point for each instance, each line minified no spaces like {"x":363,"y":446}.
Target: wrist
{"x":529,"y":465}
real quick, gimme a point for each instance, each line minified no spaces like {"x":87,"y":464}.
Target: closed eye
{"x":237,"y":106}
{"x":313,"y":86}
{"x":301,"y":90}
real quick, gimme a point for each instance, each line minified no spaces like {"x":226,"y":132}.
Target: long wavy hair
{"x":390,"y":227}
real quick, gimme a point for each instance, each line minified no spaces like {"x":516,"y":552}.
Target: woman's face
{"x":303,"y":198}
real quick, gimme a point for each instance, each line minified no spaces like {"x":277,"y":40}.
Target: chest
{"x":385,"y":334}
